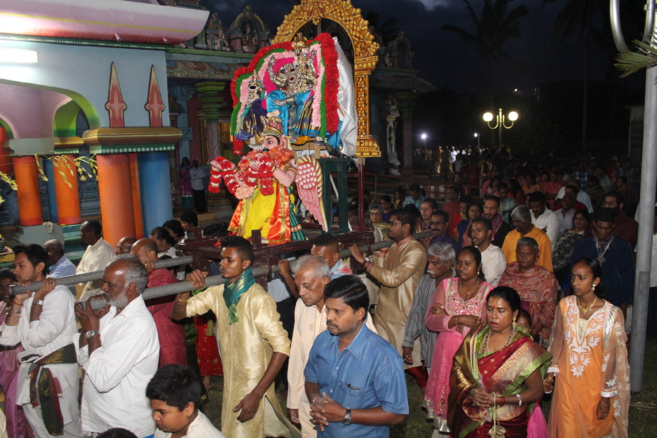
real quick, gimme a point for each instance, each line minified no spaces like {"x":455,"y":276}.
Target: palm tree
{"x":578,"y":15}
{"x":493,"y":29}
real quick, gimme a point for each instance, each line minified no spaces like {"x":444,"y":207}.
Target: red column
{"x":136,"y":197}
{"x":66,"y":190}
{"x":116,"y":203}
{"x":29,"y":195}
{"x":6,"y":162}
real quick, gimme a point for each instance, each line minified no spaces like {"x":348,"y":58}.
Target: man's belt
{"x":44,"y":392}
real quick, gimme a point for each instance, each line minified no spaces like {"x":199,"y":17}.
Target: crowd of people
{"x":521,"y":294}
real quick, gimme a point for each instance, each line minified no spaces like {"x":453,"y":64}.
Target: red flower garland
{"x":245,"y":178}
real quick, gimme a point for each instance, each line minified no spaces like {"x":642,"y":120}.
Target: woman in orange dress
{"x":589,"y":371}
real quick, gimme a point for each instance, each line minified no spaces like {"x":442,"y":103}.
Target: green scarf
{"x":233,"y":292}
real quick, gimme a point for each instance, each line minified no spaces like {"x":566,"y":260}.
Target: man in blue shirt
{"x":327,"y":247}
{"x":354,"y":378}
{"x":58,"y":264}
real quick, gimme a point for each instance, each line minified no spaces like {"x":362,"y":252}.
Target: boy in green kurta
{"x":251,"y":338}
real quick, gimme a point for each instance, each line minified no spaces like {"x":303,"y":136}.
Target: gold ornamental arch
{"x":365,"y":58}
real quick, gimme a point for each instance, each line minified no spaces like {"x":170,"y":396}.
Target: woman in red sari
{"x":497,"y":374}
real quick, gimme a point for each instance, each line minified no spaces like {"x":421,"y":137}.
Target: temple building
{"x":97,"y":114}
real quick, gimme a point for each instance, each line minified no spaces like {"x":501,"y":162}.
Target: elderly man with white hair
{"x":440,"y":261}
{"x":312,"y":274}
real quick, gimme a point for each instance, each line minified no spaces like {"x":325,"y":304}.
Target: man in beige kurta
{"x":398,"y":271}
{"x":247,"y":345}
{"x":311,"y":276}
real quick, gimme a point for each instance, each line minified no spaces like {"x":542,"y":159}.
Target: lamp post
{"x":500,"y":120}
{"x":424,"y":136}
{"x":476,"y":135}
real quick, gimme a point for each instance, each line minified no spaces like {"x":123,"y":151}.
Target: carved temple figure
{"x":249,"y":38}
{"x":391,"y":131}
{"x":254,"y":118}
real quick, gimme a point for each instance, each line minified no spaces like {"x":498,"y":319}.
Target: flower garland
{"x":254,"y":170}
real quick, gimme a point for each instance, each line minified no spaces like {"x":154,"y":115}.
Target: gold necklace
{"x":484,"y":344}
{"x":585,"y":311}
{"x":474,"y":288}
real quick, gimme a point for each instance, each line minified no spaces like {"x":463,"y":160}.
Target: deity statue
{"x":254,"y":118}
{"x":294,"y":97}
{"x":262,"y":181}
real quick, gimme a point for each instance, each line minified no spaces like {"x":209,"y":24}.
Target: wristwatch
{"x":347,"y":417}
{"x":90,"y":334}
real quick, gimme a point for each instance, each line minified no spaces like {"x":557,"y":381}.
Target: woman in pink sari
{"x":458,"y":305}
{"x":17,"y":426}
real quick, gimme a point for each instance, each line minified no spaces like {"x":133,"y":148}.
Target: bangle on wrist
{"x":181,"y":300}
{"x":39,"y":302}
{"x":314,"y":400}
{"x":14,"y":312}
{"x":519,"y":399}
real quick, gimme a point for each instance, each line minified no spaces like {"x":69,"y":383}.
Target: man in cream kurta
{"x":95,"y":258}
{"x":399,"y":271}
{"x":248,"y":345}
{"x":312,"y":275}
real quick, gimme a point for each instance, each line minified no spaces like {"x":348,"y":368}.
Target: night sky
{"x":444,"y":60}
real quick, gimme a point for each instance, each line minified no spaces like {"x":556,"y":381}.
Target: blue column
{"x":52,"y":194}
{"x":155,"y":189}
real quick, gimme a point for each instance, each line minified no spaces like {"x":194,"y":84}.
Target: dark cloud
{"x":442,"y":58}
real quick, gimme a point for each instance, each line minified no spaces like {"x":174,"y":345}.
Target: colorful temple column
{"x":29,"y":195}
{"x":155,"y":185}
{"x":66,"y":188}
{"x":52,"y":196}
{"x":115,"y":191}
{"x":211,"y":99}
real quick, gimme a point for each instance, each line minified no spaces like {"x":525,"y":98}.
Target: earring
{"x":514,"y":325}
{"x":593,"y":287}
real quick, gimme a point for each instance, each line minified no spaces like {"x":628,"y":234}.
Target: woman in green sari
{"x":497,"y":374}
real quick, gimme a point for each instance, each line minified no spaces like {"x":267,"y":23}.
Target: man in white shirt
{"x":197,"y":175}
{"x":493,"y":261}
{"x":119,"y":350}
{"x":44,"y":324}
{"x":572,"y":185}
{"x":312,"y":275}
{"x":543,"y":218}
{"x":98,"y":254}
{"x":566,"y":213}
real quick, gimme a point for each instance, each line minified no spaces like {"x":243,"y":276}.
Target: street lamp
{"x":500,"y":122}
{"x":424,"y":136}
{"x":476,"y":135}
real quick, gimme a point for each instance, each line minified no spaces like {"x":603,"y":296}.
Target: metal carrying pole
{"x":97,"y":275}
{"x":647,"y":196}
{"x":215,"y":280}
{"x":186,"y":286}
